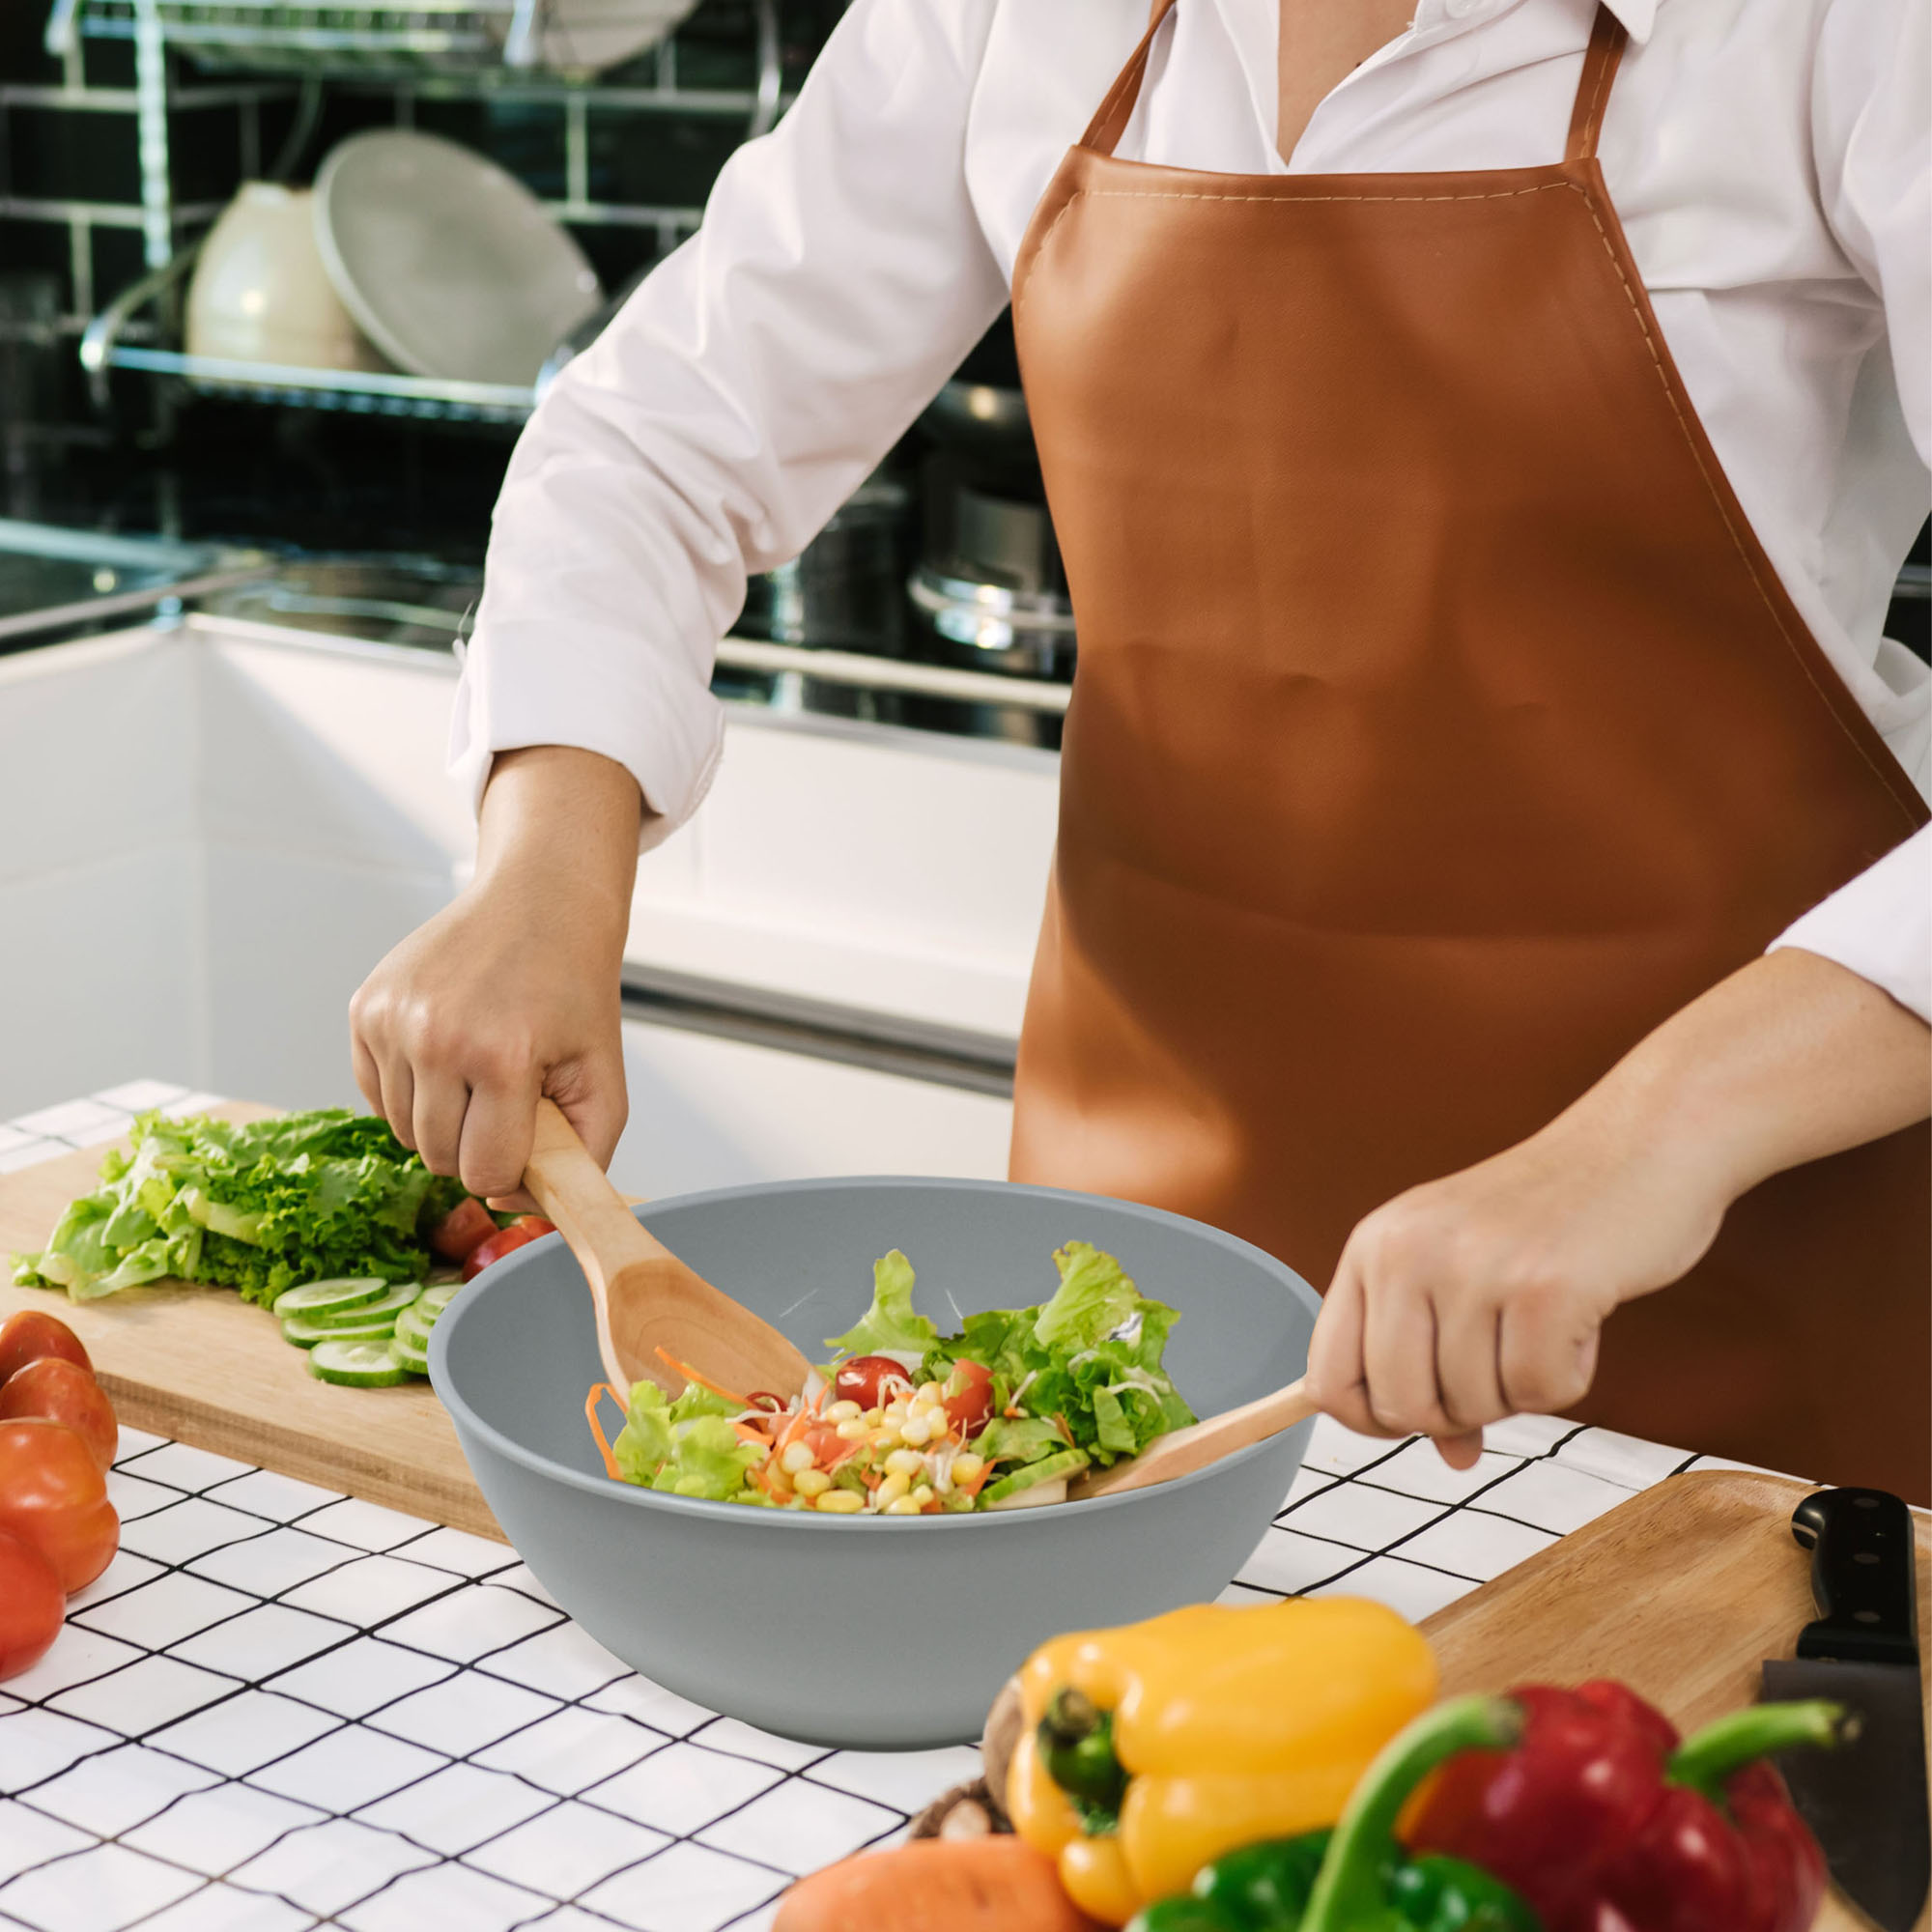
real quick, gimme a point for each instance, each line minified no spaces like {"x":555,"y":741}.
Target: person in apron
{"x":1479,"y":840}
{"x":1444,"y":754}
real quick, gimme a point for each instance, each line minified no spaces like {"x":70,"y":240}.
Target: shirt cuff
{"x":1879,"y":925}
{"x":620,"y":702}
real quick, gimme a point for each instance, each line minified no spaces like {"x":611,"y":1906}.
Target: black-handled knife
{"x":1865,"y":1800}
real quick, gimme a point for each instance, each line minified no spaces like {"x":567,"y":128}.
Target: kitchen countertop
{"x":283,"y":1708}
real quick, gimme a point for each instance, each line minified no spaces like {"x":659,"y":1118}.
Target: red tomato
{"x":29,"y":1335}
{"x":54,"y":1496}
{"x":506,"y":1240}
{"x":30,"y":1606}
{"x":62,"y":1392}
{"x":536,"y":1224}
{"x":871,"y":1380}
{"x":969,"y":1397}
{"x":460,"y":1230}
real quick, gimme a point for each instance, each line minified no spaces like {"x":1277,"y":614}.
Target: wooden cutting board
{"x":1682,"y":1592}
{"x":201,"y":1366}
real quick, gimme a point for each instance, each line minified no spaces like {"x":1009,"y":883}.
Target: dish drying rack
{"x":425,"y":49}
{"x":295,"y":36}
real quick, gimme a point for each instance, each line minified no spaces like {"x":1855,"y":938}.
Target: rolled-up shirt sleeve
{"x":1880,"y":926}
{"x":1872,"y":129}
{"x":737,"y":399}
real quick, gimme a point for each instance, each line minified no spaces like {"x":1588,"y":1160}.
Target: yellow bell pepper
{"x":1200,"y":1731}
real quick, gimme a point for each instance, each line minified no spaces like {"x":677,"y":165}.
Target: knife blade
{"x":1867,"y":1800}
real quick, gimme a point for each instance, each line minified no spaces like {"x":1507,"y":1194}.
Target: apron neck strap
{"x":1110,"y":120}
{"x":1607,"y":38}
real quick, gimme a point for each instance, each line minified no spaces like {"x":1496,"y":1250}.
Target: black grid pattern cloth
{"x":281,"y":1708}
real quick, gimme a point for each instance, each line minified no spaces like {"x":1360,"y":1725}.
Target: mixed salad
{"x":905,"y":1421}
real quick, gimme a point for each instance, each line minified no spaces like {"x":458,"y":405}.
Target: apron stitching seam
{"x":1718,"y":504}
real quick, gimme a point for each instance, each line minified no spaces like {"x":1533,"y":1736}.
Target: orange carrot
{"x":934,"y":1885}
{"x":690,"y":1375}
{"x":597,"y":1390}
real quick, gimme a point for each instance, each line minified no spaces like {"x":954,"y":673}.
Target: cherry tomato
{"x":536,"y":1224}
{"x":871,"y":1380}
{"x":63,"y":1392}
{"x":54,"y":1496}
{"x":969,"y":1397}
{"x":506,"y":1240}
{"x":30,"y":1606}
{"x":460,"y":1230}
{"x":29,"y":1335}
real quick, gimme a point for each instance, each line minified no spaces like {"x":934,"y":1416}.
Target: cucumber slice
{"x":317,"y":1297}
{"x":438,"y":1296}
{"x":414,"y":1360}
{"x":356,"y":1364}
{"x":385,"y":1308}
{"x":306,"y":1334}
{"x":1048,"y":1469}
{"x":413,"y":1328}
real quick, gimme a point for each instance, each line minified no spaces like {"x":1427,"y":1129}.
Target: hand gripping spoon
{"x":1182,"y":1451}
{"x":646,"y":1299}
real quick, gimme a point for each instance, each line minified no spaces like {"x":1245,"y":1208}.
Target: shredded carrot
{"x":690,"y":1375}
{"x":746,"y":1433}
{"x":597,"y":1427}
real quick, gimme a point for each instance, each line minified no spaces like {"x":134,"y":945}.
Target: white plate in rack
{"x":588,"y":36}
{"x":450,"y":266}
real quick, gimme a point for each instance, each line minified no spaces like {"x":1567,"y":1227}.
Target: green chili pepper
{"x":1366,"y":1886}
{"x":1356,"y":1877}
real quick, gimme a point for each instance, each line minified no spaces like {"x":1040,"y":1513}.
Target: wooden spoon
{"x":1182,"y":1451}
{"x":645,"y":1297}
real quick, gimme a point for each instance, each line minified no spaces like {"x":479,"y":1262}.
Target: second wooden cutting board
{"x":201,"y":1366}
{"x":1682,"y":1592}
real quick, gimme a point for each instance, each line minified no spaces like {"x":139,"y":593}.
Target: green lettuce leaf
{"x":256,"y":1207}
{"x":1094,"y":1298}
{"x":1090,"y":1357}
{"x":687,"y":1446}
{"x":890,"y":1323}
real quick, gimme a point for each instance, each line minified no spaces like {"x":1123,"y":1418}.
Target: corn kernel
{"x":915,"y":1429}
{"x":925,"y":1395}
{"x":902,"y":1506}
{"x":842,"y":1411}
{"x":840,"y":1502}
{"x":907,"y":1462}
{"x":884,"y":1439}
{"x":966,"y":1465}
{"x":812,"y":1482}
{"x":922,"y":1495}
{"x":853,"y":1429}
{"x":873,"y":1417}
{"x":892,"y":1489}
{"x":796,"y":1457}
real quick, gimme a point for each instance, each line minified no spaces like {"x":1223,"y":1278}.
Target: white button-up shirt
{"x":1770,"y":159}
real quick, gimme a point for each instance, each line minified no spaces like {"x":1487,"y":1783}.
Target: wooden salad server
{"x":1182,"y":1451}
{"x":646,"y":1299}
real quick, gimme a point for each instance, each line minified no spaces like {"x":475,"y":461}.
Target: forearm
{"x":1790,"y":1059}
{"x":556,"y":820}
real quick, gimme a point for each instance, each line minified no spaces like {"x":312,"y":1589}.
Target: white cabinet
{"x":718,"y":1113}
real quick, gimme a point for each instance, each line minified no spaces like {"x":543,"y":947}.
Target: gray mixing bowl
{"x":869,"y":1633}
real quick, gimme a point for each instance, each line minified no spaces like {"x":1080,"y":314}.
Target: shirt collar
{"x":1637,"y":16}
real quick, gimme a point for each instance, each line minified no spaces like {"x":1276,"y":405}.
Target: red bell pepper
{"x":1604,"y":1823}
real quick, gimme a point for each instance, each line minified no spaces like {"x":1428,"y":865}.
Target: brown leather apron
{"x":1440,"y":727}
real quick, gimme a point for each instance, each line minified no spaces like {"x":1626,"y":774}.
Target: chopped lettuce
{"x":687,"y":1446}
{"x":1077,"y":1379}
{"x":1088,"y":1359}
{"x":259,"y":1208}
{"x":889,"y":1326}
